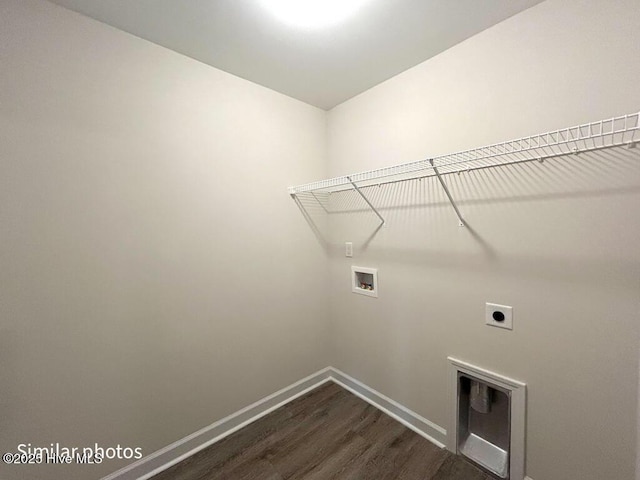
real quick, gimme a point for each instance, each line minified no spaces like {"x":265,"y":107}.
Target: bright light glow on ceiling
{"x":313,"y":13}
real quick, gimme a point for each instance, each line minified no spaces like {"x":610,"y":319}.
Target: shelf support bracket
{"x":446,"y":191}
{"x":366,"y":200}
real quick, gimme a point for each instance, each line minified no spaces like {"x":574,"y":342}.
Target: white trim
{"x":168,"y":456}
{"x":518,"y":411}
{"x":423,"y":427}
{"x":488,"y":376}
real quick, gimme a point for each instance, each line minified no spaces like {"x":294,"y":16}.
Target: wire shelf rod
{"x":470,"y":169}
{"x":602,"y":134}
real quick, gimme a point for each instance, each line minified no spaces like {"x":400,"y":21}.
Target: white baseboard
{"x":152,"y":464}
{"x":423,"y":427}
{"x":168,"y":456}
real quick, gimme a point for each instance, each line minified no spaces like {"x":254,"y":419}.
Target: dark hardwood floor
{"x":326,"y":434}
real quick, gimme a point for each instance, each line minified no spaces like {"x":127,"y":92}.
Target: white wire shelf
{"x":613,"y":132}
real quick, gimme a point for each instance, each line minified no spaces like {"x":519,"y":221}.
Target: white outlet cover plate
{"x":506,"y":310}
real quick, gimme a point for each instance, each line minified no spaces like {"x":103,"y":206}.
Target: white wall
{"x":557,"y":241}
{"x":151,"y":258}
{"x":151,"y":263}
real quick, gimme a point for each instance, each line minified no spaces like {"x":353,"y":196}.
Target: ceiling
{"x":322,"y":66}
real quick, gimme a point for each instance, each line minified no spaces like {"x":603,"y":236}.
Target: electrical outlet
{"x":500,"y":316}
{"x":348,"y":249}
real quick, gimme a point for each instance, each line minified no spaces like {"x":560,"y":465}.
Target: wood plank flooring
{"x":326,"y":434}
